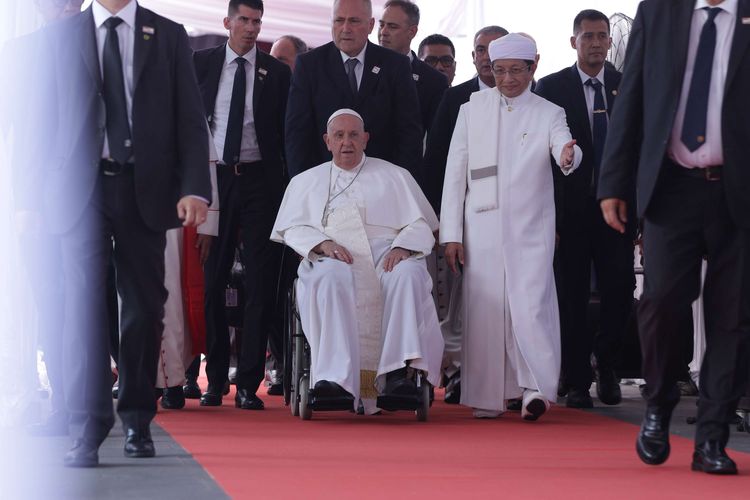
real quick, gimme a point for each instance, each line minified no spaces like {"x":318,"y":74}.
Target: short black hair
{"x":410,"y":9}
{"x":490,"y":30}
{"x":588,"y":15}
{"x":436,"y":39}
{"x":300,"y":47}
{"x":234,"y":6}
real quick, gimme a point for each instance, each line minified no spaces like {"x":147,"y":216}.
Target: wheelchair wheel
{"x":298,"y":365}
{"x":305,"y":412}
{"x":424,"y":404}
{"x":288,"y":348}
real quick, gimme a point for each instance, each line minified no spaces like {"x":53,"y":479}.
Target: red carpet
{"x":566,"y":454}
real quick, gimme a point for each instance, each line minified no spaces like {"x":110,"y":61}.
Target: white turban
{"x":344,"y":111}
{"x":513,"y":46}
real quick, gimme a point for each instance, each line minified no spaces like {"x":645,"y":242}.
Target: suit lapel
{"x":260,"y":77}
{"x":87,"y":37}
{"x":579,"y":98}
{"x":682,"y":14}
{"x":415,"y":73}
{"x":143,"y":41}
{"x":739,"y":42}
{"x":338,"y":75}
{"x":213,"y":74}
{"x":370,"y":73}
{"x":611,"y":82}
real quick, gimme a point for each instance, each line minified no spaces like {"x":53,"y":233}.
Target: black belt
{"x":111,"y":167}
{"x":242,"y":167}
{"x":710,"y":173}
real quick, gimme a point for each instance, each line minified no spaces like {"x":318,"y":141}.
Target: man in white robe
{"x":363,"y":227}
{"x":176,"y":347}
{"x":498,"y":221}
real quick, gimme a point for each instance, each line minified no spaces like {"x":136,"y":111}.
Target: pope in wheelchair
{"x":363,"y":228}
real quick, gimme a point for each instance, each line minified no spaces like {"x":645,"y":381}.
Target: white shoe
{"x":482,"y":413}
{"x":534,"y":405}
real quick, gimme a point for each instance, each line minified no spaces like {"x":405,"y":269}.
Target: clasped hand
{"x":333,"y":250}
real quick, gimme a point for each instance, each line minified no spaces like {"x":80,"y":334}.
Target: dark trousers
{"x":287,"y":275}
{"x":585,"y":240}
{"x":138,"y":254}
{"x":687,"y":219}
{"x":43,"y":265}
{"x":248,"y":207}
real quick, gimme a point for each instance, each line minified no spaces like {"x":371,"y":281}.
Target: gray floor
{"x":632,"y":407}
{"x":37,"y":471}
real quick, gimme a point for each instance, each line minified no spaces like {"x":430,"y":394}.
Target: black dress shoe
{"x":275,"y":390}
{"x":173,"y":398}
{"x":514,"y":404}
{"x":579,"y":398}
{"x":55,"y":425}
{"x":652,"y":444}
{"x":326,"y":389}
{"x":453,"y":389}
{"x":191,"y":390}
{"x":82,"y":454}
{"x":212,"y":397}
{"x":711,"y":458}
{"x":399,"y":383}
{"x":608,"y":387}
{"x":138,"y":443}
{"x":247,"y":400}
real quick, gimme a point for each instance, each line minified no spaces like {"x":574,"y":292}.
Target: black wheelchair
{"x":300,"y":397}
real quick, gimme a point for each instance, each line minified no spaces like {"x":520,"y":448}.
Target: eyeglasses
{"x":514,"y":71}
{"x":443,"y":60}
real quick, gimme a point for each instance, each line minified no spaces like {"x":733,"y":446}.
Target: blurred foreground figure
{"x":129,"y":160}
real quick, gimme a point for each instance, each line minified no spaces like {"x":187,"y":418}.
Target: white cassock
{"x":498,"y":201}
{"x":176,"y":348}
{"x":360,"y":321}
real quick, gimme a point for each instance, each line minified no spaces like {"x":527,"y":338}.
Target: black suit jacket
{"x":387,"y":101}
{"x":565,"y":89}
{"x":169,"y":135}
{"x":270,"y":90}
{"x":431,"y":84}
{"x":649,"y":94}
{"x":439,"y":139}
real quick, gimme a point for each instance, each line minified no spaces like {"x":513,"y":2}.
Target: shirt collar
{"x":728,"y":6}
{"x":232,"y":55}
{"x":359,"y":57}
{"x":352,"y":171}
{"x":584,"y":77}
{"x":518,"y":100}
{"x":483,"y":85}
{"x":127,"y":14}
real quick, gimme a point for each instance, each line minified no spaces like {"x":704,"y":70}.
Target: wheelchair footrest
{"x":393,"y":402}
{"x":327,"y":403}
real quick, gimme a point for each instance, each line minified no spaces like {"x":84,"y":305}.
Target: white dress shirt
{"x":359,"y":69}
{"x":589,"y":93}
{"x":710,"y":152}
{"x":125,"y":35}
{"x":249,"y":149}
{"x":482,"y":85}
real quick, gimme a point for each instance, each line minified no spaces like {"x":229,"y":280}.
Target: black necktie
{"x":694,"y":124}
{"x":599,"y":126}
{"x":118,"y":128}
{"x":233,"y":140}
{"x":351,"y":74}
